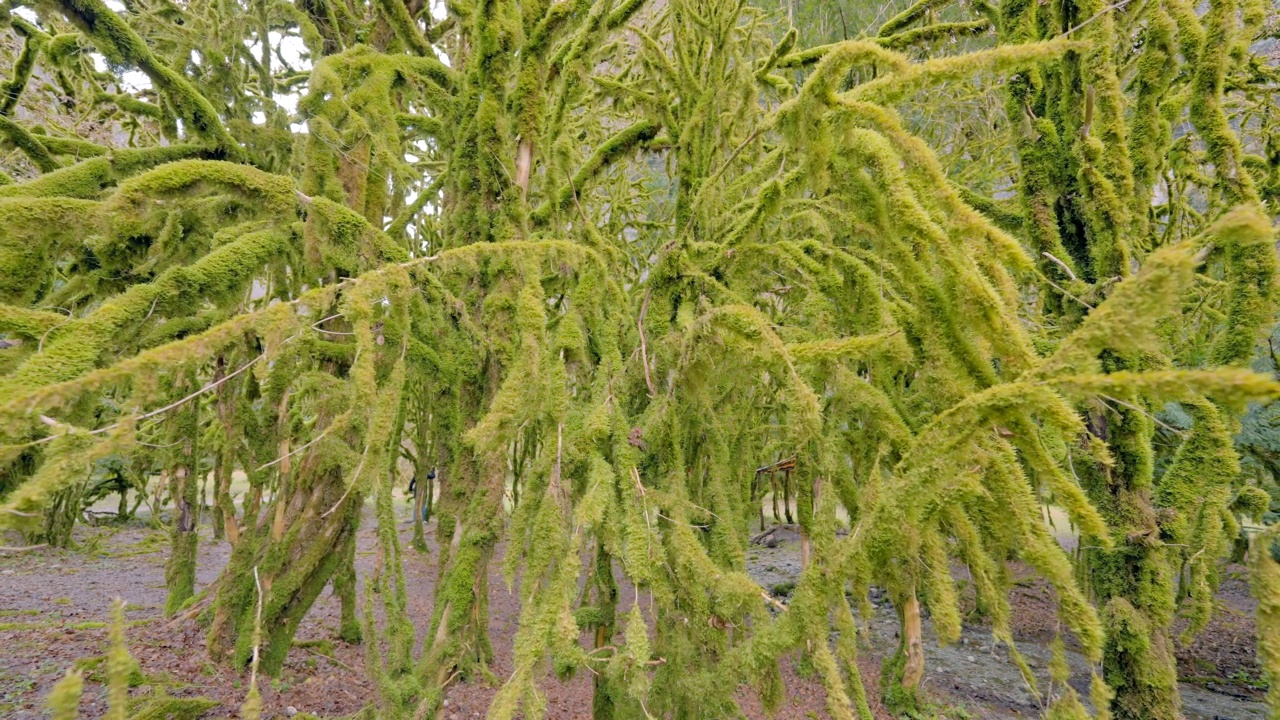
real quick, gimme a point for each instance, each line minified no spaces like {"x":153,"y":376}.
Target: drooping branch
{"x":113,"y":36}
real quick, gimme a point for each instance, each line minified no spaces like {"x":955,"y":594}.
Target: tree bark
{"x":294,"y":568}
{"x":1132,"y":582}
{"x":184,"y":484}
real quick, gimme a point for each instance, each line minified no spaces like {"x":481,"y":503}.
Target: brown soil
{"x":54,"y":605}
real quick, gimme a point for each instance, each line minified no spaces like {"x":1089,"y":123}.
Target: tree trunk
{"x":902,"y":672}
{"x":1132,"y":582}
{"x":605,"y":601}
{"x":773,"y":495}
{"x":913,"y":671}
{"x":60,"y":517}
{"x":786,"y":496}
{"x":419,"y":494}
{"x":215,"y":508}
{"x":344,"y":586}
{"x":184,"y":484}
{"x":295,"y":559}
{"x":460,"y":624}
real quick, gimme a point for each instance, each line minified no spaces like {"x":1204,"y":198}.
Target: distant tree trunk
{"x":604,"y":600}
{"x":786,"y":496}
{"x":224,"y":509}
{"x":344,"y":586}
{"x":773,"y":494}
{"x":423,"y":452}
{"x":468,"y":528}
{"x":60,"y":516}
{"x":184,"y":489}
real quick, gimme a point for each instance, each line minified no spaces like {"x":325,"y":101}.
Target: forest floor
{"x":54,"y":605}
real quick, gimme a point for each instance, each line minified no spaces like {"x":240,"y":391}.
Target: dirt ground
{"x":54,"y":606}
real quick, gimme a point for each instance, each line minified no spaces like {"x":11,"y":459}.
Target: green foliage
{"x":607,"y":261}
{"x":64,"y":699}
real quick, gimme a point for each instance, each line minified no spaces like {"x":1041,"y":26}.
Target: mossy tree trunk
{"x":344,"y":586}
{"x":468,"y":528}
{"x":1132,"y":582}
{"x":294,"y":561}
{"x":424,"y":452}
{"x":184,"y":491}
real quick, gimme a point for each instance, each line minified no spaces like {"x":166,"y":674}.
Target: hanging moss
{"x":609,"y":263}
{"x":120,"y":44}
{"x":64,"y":699}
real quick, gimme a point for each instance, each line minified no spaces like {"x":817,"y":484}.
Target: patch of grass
{"x":87,"y":625}
{"x":11,"y":626}
{"x":94,"y":668}
{"x":152,"y":542}
{"x":92,"y":546}
{"x":321,"y":647}
{"x":162,"y":706}
{"x":62,"y":601}
{"x":783,"y":589}
{"x":13,"y":687}
{"x":15,"y":613}
{"x":1248,"y":679}
{"x":940,"y":712}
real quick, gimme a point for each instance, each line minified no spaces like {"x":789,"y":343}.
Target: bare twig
{"x":295,"y":451}
{"x":1065,"y":292}
{"x":1097,"y":15}
{"x":1156,"y":420}
{"x":211,"y":386}
{"x":330,"y":658}
{"x":644,"y":346}
{"x":257,"y":631}
{"x":1065,"y":268}
{"x":70,"y":317}
{"x":1203,"y":255}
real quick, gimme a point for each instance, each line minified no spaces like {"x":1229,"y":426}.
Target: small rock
{"x":6,"y":572}
{"x":972,"y":659}
{"x":446,"y":702}
{"x":291,"y":711}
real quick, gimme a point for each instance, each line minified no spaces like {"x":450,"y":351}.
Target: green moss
{"x":726,"y":251}
{"x":88,"y":178}
{"x":120,"y":44}
{"x":64,"y":699}
{"x":163,"y":707}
